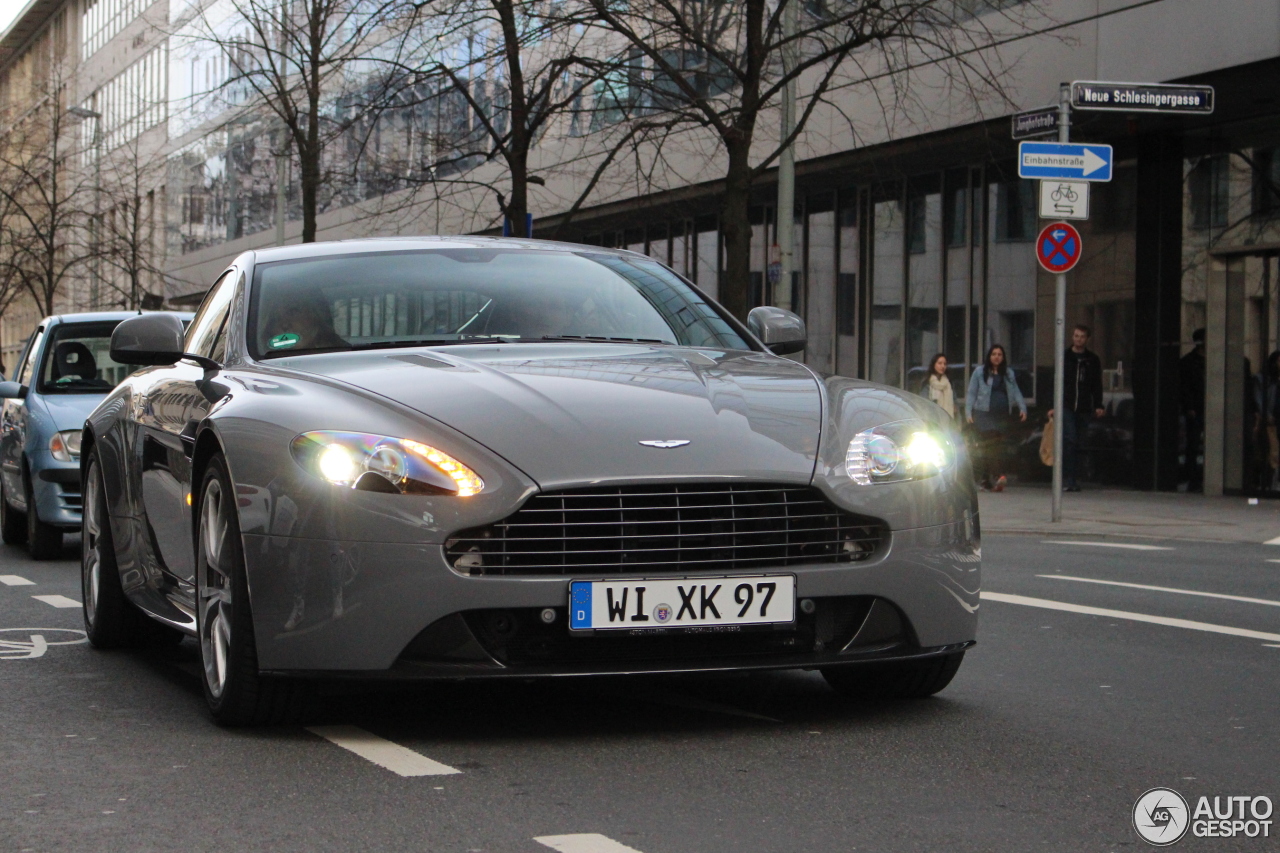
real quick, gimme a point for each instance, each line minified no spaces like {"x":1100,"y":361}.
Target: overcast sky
{"x":9,"y":10}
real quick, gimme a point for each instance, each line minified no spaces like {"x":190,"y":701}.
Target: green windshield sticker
{"x":284,"y":341}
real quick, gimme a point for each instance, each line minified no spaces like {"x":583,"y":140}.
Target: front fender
{"x":853,"y":406}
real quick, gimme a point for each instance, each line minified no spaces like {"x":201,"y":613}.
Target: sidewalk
{"x":1116,"y":512}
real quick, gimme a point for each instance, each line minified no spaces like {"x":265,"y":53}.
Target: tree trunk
{"x":735,"y":226}
{"x":518,"y":205}
{"x":309,"y":187}
{"x":517,"y":154}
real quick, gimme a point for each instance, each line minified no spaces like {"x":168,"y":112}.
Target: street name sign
{"x":1064,"y":161}
{"x":1141,"y":97}
{"x":1064,"y":200}
{"x":1036,"y":122}
{"x":1058,"y":247}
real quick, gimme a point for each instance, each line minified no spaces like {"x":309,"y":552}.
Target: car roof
{"x":402,"y":244}
{"x":104,"y":316}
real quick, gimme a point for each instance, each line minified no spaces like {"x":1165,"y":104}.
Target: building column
{"x":1224,"y":379}
{"x":1157,"y":312}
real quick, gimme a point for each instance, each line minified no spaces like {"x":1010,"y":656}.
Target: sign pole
{"x":1060,"y":331}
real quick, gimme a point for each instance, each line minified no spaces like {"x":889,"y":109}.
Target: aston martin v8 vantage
{"x":484,"y":458}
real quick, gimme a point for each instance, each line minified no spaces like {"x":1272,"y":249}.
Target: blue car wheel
{"x":13,"y":524}
{"x":44,"y":541}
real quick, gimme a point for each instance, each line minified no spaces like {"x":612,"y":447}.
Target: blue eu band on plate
{"x":682,"y":603}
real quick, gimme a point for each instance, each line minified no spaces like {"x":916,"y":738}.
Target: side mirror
{"x":12,"y":391}
{"x":780,"y":330}
{"x":148,"y":339}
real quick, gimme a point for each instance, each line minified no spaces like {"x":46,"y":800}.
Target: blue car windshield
{"x":459,"y":296}
{"x":77,"y":360}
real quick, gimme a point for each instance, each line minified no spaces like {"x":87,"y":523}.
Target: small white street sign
{"x":1064,"y":200}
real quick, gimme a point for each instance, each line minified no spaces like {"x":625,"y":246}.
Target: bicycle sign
{"x":1064,"y":200}
{"x":1058,"y":247}
{"x":28,"y":643}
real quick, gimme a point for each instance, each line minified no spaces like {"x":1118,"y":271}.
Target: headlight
{"x":378,"y":463}
{"x":65,"y":445}
{"x":892,"y":453}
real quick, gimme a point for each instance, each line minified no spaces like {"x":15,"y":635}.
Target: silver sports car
{"x":466,"y":458}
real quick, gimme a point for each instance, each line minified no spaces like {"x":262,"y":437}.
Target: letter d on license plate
{"x":681,"y":603}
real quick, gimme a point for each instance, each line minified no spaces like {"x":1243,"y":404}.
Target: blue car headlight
{"x":893,"y":453}
{"x":379,"y":463}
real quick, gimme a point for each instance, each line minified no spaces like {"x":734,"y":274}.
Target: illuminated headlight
{"x":65,"y":445}
{"x":892,"y":453}
{"x":379,"y":463}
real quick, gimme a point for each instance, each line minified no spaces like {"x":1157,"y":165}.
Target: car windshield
{"x":77,"y":360}
{"x":462,"y":296}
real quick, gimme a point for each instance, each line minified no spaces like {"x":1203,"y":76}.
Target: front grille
{"x":664,"y":528}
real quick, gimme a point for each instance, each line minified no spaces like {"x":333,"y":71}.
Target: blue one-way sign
{"x":1061,"y":160}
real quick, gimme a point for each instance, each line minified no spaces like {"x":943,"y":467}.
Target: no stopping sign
{"x":1058,"y":247}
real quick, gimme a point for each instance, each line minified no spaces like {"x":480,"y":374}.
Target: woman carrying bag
{"x":993,"y":396}
{"x":937,"y":385}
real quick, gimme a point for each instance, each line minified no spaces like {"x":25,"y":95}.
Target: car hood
{"x":575,"y":413}
{"x":68,"y":411}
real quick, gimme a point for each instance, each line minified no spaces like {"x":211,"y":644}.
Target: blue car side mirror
{"x":12,"y":391}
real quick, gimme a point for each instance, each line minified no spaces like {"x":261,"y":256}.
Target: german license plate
{"x":681,"y":603}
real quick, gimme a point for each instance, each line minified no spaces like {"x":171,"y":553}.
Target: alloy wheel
{"x":215,"y":589}
{"x":91,"y":562}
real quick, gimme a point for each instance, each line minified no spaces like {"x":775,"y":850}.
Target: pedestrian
{"x":937,"y":386}
{"x":993,"y":395}
{"x":1191,"y":386}
{"x":1267,"y":401}
{"x":1081,"y":401}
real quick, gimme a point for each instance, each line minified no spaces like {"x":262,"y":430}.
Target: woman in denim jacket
{"x":993,"y":396}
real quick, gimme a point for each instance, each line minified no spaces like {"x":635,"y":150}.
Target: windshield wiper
{"x":602,"y":339}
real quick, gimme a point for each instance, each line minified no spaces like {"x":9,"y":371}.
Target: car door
{"x":13,"y":421}
{"x":174,"y":405}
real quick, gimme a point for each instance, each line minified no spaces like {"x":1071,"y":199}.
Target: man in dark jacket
{"x":1081,"y":400}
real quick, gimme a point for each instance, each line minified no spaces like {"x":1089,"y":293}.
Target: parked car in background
{"x":63,"y":372}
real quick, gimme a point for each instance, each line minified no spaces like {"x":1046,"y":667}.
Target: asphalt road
{"x":1056,"y":723}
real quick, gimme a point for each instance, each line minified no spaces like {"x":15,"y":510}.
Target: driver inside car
{"x":302,"y":324}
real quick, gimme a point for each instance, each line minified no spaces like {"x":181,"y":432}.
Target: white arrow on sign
{"x":1092,"y":162}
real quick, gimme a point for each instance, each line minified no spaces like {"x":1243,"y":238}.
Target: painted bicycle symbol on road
{"x":28,"y":643}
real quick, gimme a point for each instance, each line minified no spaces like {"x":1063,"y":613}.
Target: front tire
{"x":899,"y":680}
{"x":110,"y":621}
{"x":13,"y":524}
{"x":236,"y":692}
{"x":44,"y":541}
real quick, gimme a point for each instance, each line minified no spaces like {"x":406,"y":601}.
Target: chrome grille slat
{"x":610,"y":530}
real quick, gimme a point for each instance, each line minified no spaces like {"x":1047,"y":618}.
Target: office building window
{"x":1016,"y":211}
{"x":103,"y":19}
{"x":1209,"y":188}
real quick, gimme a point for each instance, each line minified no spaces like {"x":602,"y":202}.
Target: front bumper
{"x":328,"y":607}
{"x":56,"y":488}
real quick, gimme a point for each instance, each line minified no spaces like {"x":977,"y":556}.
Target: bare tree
{"x":722,"y":65}
{"x":321,"y":68}
{"x":131,"y":223}
{"x":502,"y":76}
{"x":45,"y":200}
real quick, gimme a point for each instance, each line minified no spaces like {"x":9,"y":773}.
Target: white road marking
{"x":1275,"y":541}
{"x":1133,"y":617}
{"x":382,"y":752}
{"x":15,"y":580}
{"x":36,"y":648}
{"x":1129,"y":545}
{"x":584,"y":842}
{"x":57,"y":600}
{"x":1272,"y":561}
{"x":1243,"y":598}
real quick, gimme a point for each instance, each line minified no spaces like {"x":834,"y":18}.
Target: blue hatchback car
{"x":63,"y":372}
